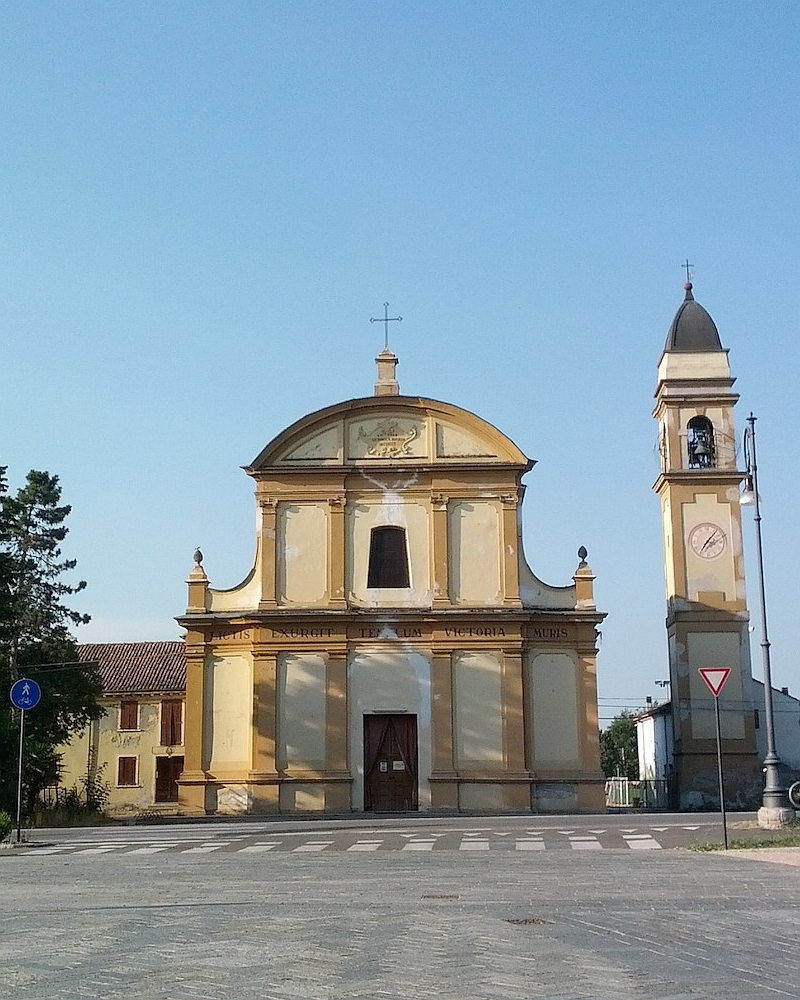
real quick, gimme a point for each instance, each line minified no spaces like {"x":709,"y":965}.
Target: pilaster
{"x":509,"y":548}
{"x":269,"y":509}
{"x":514,"y":707}
{"x":444,"y":783}
{"x":264,"y":778}
{"x":441,"y":577}
{"x":336,"y":552}
{"x":192,"y":783}
{"x":336,"y":723}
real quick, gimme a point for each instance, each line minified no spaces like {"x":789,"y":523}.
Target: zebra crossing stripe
{"x":641,"y":842}
{"x":418,"y":845}
{"x":529,"y":845}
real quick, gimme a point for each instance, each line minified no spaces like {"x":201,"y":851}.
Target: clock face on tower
{"x":707,"y":540}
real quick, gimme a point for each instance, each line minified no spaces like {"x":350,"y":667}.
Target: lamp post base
{"x":775,"y":817}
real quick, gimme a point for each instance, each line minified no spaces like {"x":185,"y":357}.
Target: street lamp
{"x":774,"y":812}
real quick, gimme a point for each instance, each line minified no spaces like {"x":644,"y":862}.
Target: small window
{"x":171,"y":711}
{"x":388,"y":559}
{"x":756,"y":718}
{"x":126,"y":771}
{"x":129,"y":715}
{"x":700,"y":442}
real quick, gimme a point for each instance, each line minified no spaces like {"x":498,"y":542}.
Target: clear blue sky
{"x":203,"y":204}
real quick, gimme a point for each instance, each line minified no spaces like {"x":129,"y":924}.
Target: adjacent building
{"x":136,"y":748}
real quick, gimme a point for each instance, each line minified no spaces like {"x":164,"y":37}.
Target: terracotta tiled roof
{"x":138,"y":667}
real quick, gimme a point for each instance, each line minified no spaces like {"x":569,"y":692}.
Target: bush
{"x":6,"y":825}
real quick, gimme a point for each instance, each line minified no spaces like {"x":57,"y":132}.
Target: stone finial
{"x":584,"y":583}
{"x":198,"y":585}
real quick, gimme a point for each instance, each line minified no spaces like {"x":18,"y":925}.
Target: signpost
{"x":715,"y":678}
{"x":25,"y":694}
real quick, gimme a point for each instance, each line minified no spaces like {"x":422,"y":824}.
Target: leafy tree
{"x":619,"y":754}
{"x":35,"y":635}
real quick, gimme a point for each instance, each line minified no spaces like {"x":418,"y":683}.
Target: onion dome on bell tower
{"x":692,"y":328}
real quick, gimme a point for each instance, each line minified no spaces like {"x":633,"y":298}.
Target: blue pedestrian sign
{"x":25,"y":694}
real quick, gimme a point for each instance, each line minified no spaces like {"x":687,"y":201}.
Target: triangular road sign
{"x":715,"y":678}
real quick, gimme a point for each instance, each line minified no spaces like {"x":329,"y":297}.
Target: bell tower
{"x":707,"y":619}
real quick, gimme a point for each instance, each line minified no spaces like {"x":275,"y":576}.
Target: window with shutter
{"x":126,"y":771}
{"x":129,"y":715}
{"x":171,"y":729}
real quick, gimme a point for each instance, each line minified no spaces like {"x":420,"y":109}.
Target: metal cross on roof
{"x":387,"y":319}
{"x":688,"y":268}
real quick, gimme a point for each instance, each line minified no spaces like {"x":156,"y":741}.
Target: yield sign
{"x":715,"y":678}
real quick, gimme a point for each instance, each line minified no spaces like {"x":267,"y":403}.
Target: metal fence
{"x":625,"y":793}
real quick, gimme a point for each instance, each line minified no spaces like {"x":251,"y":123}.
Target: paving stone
{"x":490,"y":924}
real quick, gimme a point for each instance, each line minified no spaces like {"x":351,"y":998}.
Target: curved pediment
{"x":392,"y":430}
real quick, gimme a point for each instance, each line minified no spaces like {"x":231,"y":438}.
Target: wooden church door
{"x":390,"y":763}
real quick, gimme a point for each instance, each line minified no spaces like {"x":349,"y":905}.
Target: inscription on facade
{"x":390,"y":633}
{"x":463,"y":633}
{"x":301,"y":633}
{"x":549,"y":632}
{"x":237,"y":635}
{"x":388,"y":440}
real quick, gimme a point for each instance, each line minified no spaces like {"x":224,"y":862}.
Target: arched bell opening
{"x":700,"y":443}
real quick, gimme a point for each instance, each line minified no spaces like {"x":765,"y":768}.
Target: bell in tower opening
{"x":700,"y":438}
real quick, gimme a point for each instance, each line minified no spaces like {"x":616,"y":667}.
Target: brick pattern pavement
{"x":488,"y":925}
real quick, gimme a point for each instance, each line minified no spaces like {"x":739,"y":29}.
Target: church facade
{"x":390,"y":650}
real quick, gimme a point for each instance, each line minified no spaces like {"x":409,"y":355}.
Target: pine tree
{"x":35,"y":634}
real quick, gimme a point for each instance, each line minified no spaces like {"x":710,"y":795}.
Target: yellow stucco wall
{"x":478,"y":700}
{"x":228,"y":711}
{"x":302,"y":553}
{"x":302,"y":714}
{"x":475,"y":552}
{"x":553,"y":693}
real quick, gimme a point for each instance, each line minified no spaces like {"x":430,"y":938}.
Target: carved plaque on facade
{"x":387,"y":438}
